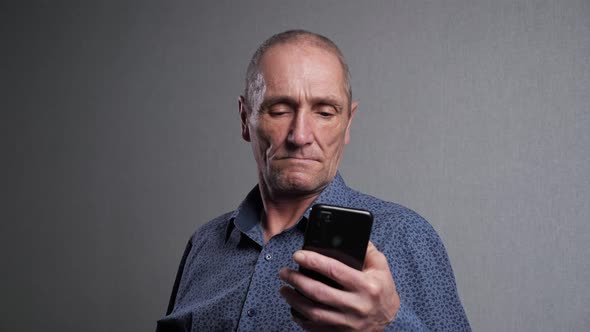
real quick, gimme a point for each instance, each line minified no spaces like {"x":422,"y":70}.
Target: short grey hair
{"x":255,"y":85}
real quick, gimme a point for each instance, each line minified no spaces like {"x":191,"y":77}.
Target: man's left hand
{"x":367,"y":302}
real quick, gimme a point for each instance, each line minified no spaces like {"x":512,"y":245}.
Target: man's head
{"x":255,"y":84}
{"x":297,"y":112}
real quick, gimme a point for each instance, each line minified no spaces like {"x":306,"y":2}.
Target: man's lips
{"x":297,"y":159}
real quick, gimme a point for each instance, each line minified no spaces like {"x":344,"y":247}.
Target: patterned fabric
{"x":228,"y":278}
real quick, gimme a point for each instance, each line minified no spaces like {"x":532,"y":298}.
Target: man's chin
{"x":297,"y":184}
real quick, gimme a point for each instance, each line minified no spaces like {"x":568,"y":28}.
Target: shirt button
{"x":251,"y":312}
{"x":268,"y":257}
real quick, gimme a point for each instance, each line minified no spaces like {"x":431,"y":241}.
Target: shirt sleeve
{"x":172,"y":300}
{"x":168,"y":324}
{"x":424,"y":278}
{"x":406,"y":320}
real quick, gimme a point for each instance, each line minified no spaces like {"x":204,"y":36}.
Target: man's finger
{"x":374,"y":259}
{"x":315,"y":314}
{"x":341,"y":273}
{"x":316,"y":290}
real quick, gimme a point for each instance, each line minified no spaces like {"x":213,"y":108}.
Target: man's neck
{"x":281,"y":213}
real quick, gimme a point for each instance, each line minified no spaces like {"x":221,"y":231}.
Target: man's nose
{"x":301,"y":131}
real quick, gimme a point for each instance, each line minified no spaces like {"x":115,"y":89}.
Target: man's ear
{"x":243,"y":109}
{"x":353,"y":107}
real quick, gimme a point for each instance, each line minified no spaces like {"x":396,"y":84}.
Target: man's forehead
{"x":286,"y":64}
{"x":312,"y":51}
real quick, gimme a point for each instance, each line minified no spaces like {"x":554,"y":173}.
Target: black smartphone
{"x":338,"y":232}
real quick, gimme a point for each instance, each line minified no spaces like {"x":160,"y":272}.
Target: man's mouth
{"x":297,"y":159}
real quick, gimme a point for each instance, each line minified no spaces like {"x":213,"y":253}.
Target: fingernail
{"x":298,"y":256}
{"x":283,"y":274}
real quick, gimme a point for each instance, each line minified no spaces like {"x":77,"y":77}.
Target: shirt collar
{"x":333,"y":194}
{"x":248,"y":214}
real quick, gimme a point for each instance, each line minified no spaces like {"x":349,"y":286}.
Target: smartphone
{"x":338,"y":232}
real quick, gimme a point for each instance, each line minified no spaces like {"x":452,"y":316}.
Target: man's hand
{"x":367,"y":302}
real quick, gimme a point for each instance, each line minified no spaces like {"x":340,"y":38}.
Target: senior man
{"x":239,"y":271}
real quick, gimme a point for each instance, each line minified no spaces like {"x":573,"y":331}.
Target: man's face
{"x":300,"y":129}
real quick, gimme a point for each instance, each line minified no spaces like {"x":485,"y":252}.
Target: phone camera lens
{"x":326,"y":217}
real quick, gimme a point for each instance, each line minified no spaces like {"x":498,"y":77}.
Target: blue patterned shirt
{"x":228,"y":277}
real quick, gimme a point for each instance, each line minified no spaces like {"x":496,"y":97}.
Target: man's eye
{"x":326,"y":111}
{"x":278,"y":110}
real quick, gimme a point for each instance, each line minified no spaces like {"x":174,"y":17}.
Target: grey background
{"x":120,"y":136}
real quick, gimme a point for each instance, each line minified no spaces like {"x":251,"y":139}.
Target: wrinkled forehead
{"x":304,"y":64}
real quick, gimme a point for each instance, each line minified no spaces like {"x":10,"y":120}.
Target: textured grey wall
{"x":123,"y":137}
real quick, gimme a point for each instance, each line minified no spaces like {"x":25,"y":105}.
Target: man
{"x":239,"y":271}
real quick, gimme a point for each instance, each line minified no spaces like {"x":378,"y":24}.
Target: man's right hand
{"x":367,"y":302}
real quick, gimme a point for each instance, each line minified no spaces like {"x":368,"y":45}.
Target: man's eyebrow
{"x":328,"y":100}
{"x":277,"y":100}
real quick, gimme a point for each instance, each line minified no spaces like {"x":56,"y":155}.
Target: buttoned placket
{"x":274,"y":255}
